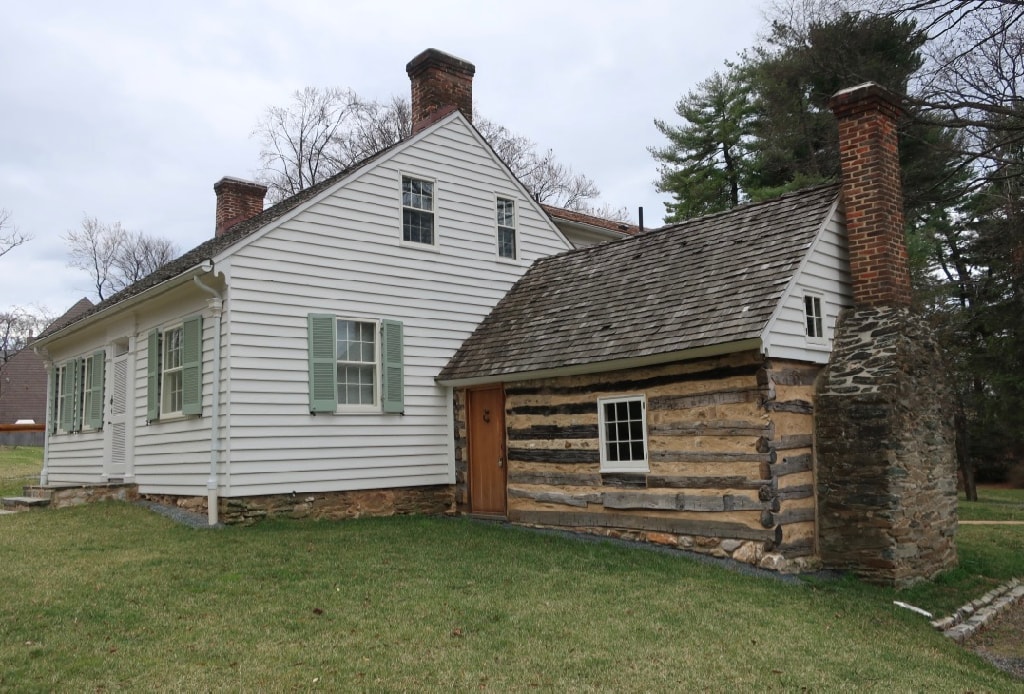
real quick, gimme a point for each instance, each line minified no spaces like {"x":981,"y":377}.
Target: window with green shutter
{"x":93,"y":372}
{"x":354,"y":365}
{"x":174,"y":371}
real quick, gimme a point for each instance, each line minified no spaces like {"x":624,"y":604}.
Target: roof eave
{"x":610,"y":365}
{"x":202,"y":268}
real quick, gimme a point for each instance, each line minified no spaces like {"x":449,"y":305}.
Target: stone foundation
{"x":885,"y":446}
{"x":63,"y":497}
{"x":759,"y":554}
{"x":433,"y":500}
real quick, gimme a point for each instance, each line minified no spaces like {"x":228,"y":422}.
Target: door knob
{"x":501,"y":462}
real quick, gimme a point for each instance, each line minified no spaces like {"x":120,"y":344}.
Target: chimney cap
{"x":864,"y":96}
{"x":238,"y":183}
{"x":435,"y":58}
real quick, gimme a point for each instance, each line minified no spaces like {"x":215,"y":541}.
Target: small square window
{"x":813,"y":318}
{"x":623,"y":427}
{"x":417,"y":210}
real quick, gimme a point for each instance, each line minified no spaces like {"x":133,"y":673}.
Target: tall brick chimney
{"x":237,"y":201}
{"x":440,"y":84}
{"x":872,"y":194}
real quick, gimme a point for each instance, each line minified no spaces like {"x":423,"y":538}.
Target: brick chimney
{"x":440,"y":84}
{"x":237,"y":201}
{"x":872,"y":194}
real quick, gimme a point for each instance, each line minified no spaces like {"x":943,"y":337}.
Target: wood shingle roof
{"x":708,"y":281}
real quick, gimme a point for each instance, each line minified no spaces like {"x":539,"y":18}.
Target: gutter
{"x":204,"y":268}
{"x":216,"y":305}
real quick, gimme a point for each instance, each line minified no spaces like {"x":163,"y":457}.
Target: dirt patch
{"x":1001,"y":642}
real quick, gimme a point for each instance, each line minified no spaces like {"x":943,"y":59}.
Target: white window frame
{"x":814,"y":310}
{"x":499,"y":226}
{"x":60,"y":373}
{"x":375,"y":406}
{"x":166,"y":411}
{"x":632,"y":465}
{"x":85,"y":399}
{"x":432,"y":211}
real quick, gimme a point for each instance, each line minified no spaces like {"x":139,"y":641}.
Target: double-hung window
{"x":506,"y":209}
{"x":418,"y":211}
{"x":813,"y":322}
{"x":622,"y":425}
{"x":76,"y":388}
{"x":355,"y":365}
{"x":174,"y":370}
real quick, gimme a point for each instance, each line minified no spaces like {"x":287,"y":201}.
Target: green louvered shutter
{"x":94,"y":417}
{"x":323,"y":374}
{"x":192,"y":366}
{"x":393,"y":379}
{"x":68,"y":402}
{"x":153,"y":377}
{"x":52,"y":397}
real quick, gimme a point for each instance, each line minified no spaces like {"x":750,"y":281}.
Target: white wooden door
{"x":116,"y":458}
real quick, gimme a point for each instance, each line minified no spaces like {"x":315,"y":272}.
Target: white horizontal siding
{"x":826,"y":274}
{"x":344,"y":256}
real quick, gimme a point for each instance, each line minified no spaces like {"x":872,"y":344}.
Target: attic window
{"x":417,"y":210}
{"x":506,"y":228}
{"x":812,"y":318}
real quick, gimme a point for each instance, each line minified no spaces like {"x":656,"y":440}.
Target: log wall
{"x":729,"y":448}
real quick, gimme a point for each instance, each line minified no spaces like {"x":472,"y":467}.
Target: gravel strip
{"x":192,"y":519}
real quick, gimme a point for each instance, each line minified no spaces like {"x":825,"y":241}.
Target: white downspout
{"x":216,"y":305}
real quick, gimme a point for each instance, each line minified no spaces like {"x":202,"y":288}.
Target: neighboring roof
{"x":590,"y":220}
{"x":208,"y":249}
{"x":708,"y":281}
{"x":80,"y":308}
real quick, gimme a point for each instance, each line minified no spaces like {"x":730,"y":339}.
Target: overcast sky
{"x":130,"y":111}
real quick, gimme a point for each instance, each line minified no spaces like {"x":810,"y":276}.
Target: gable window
{"x":355,"y":365}
{"x":622,"y":423}
{"x":417,"y":210}
{"x":506,"y":228}
{"x":174,"y":371}
{"x":813,"y":318}
{"x":76,"y":389}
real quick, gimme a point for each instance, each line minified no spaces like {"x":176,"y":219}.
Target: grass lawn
{"x":19,"y":465}
{"x":994,"y":504}
{"x":112,"y":597}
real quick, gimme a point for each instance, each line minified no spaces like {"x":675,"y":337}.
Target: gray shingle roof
{"x":208,"y":249}
{"x":708,"y":281}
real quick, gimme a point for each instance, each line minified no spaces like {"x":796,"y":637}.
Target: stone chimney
{"x":440,"y":84}
{"x":873,"y":194}
{"x":237,"y":201}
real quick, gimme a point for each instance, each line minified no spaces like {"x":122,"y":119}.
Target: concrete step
{"x":36,"y":491}
{"x":23,"y":503}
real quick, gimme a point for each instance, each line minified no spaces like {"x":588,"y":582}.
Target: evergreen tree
{"x":704,"y":165}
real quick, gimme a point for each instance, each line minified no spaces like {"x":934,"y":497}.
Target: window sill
{"x":428,"y":247}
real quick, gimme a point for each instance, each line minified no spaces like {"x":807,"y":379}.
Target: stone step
{"x":23,"y":502}
{"x":36,"y":491}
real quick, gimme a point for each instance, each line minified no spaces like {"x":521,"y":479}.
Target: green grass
{"x":19,"y":465}
{"x":994,"y":504}
{"x":109,"y":597}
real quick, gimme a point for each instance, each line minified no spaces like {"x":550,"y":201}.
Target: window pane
{"x":613,"y":451}
{"x":635,"y":410}
{"x":636,"y":430}
{"x":624,"y":451}
{"x":621,"y":410}
{"x":637,"y":452}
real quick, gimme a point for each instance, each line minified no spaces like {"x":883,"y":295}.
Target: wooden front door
{"x":485,"y":428}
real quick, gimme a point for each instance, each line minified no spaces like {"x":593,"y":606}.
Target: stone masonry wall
{"x":432,"y":500}
{"x":886,"y":450}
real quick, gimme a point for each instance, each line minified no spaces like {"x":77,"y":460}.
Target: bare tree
{"x":113,"y":256}
{"x":18,"y":325}
{"x":10,"y":237}
{"x":973,"y":79}
{"x":324,"y":131}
